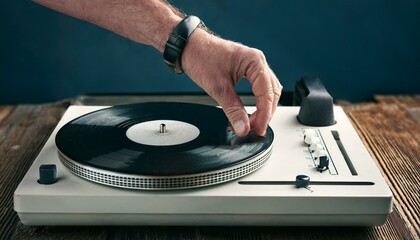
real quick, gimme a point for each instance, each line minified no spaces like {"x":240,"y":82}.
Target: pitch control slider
{"x":325,"y":183}
{"x":344,"y":152}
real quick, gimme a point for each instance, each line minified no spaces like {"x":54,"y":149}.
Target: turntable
{"x":181,"y":164}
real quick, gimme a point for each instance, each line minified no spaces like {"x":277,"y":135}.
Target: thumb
{"x":235,"y":111}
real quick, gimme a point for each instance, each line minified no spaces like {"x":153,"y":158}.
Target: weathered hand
{"x":217,"y":65}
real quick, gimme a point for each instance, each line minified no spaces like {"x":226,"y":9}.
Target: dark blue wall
{"x":358,"y":48}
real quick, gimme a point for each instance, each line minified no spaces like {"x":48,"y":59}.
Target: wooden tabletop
{"x":389,"y":127}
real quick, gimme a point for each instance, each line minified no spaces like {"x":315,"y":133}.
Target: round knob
{"x":302,"y":181}
{"x":47,"y":174}
{"x":324,"y":161}
{"x":320,"y":153}
{"x":309,"y":132}
{"x":315,"y":147}
{"x":312,"y":140}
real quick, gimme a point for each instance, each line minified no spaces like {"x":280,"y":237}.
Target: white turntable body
{"x":348,"y":194}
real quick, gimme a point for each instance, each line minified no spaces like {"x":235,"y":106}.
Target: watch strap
{"x":177,"y":41}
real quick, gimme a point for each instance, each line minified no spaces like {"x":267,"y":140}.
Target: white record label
{"x":162,"y":132}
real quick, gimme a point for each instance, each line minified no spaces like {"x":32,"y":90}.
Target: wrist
{"x":199,"y":39}
{"x":162,"y":36}
{"x":201,"y":47}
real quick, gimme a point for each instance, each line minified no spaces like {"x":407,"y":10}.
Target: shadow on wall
{"x":357,"y":48}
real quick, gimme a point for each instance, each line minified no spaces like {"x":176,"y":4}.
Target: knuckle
{"x":278,"y":90}
{"x":259,"y":55}
{"x":233,"y":112}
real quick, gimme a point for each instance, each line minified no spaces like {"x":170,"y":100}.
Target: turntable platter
{"x":159,"y":146}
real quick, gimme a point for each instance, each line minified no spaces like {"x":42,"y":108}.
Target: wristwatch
{"x":177,"y":41}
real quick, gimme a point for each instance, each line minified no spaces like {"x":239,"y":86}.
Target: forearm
{"x":145,"y":21}
{"x":213,"y":63}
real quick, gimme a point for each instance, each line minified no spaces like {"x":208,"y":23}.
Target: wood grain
{"x":389,"y":128}
{"x":23,"y":131}
{"x":392,"y":136}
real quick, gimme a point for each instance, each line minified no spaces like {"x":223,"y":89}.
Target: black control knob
{"x":324,"y":161}
{"x":47,"y":174}
{"x":302,"y":181}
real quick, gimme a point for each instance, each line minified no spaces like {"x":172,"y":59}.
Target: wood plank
{"x":393,"y":138}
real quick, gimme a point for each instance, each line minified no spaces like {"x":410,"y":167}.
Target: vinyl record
{"x":159,"y":146}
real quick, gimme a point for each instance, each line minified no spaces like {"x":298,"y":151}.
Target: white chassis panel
{"x":265,"y":197}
